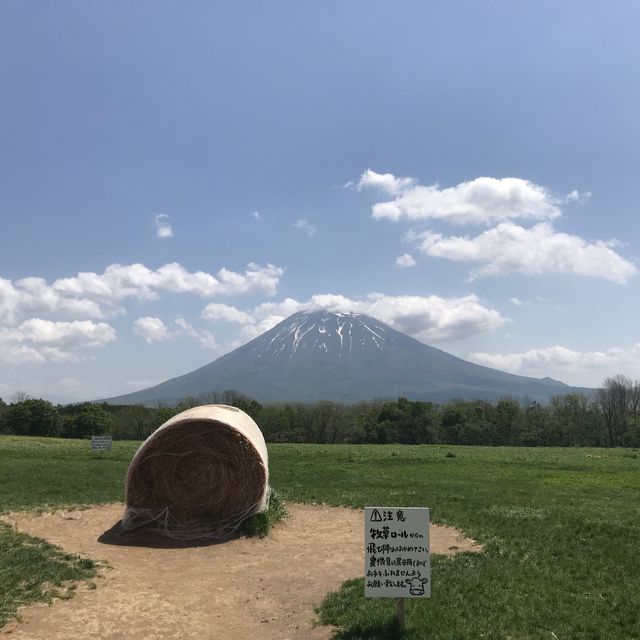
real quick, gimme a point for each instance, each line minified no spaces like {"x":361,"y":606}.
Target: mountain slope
{"x":344,"y":357}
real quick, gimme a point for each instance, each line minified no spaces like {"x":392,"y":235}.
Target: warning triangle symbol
{"x":375,"y":516}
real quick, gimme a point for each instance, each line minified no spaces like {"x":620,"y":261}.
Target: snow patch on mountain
{"x":309,"y":332}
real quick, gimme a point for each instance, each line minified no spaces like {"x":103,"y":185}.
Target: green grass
{"x":33,"y":570}
{"x":51,"y":473}
{"x":560,"y":528}
{"x":259,"y":525}
{"x":561,"y":531}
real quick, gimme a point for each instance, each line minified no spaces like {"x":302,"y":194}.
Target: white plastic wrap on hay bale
{"x":171,"y":446}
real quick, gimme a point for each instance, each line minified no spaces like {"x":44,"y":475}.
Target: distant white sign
{"x":397,"y":559}
{"x":101,"y":443}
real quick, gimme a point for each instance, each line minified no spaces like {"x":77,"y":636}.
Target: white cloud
{"x":217,"y":312}
{"x":509,"y":248}
{"x":480,"y":201}
{"x":516,"y":301}
{"x":432,"y":318}
{"x":163,"y":226}
{"x":93,"y":295}
{"x":38,"y":340}
{"x":577,"y":367}
{"x":405,"y":261}
{"x":384,"y":181}
{"x":155,"y":330}
{"x":205,"y":338}
{"x":255,"y":279}
{"x":506,"y":248}
{"x":578,"y":196}
{"x":257,"y":216}
{"x":540,"y":358}
{"x":305,"y":226}
{"x":30,"y":296}
{"x":428,"y":318}
{"x":151,"y":329}
{"x":80,"y":333}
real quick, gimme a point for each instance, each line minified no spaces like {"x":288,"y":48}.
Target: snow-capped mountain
{"x":305,"y":334}
{"x":344,"y":357}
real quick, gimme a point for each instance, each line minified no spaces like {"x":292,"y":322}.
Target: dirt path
{"x":240,"y":590}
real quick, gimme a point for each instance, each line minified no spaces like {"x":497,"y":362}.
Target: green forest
{"x":611,"y":417}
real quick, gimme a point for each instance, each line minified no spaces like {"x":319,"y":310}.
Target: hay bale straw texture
{"x":199,"y":475}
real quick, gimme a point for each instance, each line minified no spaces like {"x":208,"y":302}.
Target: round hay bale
{"x":199,"y":475}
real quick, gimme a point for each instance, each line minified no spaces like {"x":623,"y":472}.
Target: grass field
{"x":561,"y":529}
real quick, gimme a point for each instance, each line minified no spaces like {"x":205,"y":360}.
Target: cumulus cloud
{"x":93,"y":295}
{"x":386,"y":182}
{"x":305,"y":226}
{"x":579,"y":367}
{"x":228,"y":313}
{"x":509,"y":248}
{"x":163,"y":226}
{"x":480,"y":201}
{"x":405,"y":261}
{"x":30,"y":296}
{"x":136,"y":280}
{"x":516,"y":301}
{"x":151,"y":329}
{"x":433,"y":318}
{"x":38,"y":340}
{"x":204,"y":337}
{"x":428,"y":318}
{"x":155,"y":330}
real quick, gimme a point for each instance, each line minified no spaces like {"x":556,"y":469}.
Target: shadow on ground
{"x":152,"y":538}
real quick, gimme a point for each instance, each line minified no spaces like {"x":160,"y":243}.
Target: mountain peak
{"x":345,"y":357}
{"x":320,"y":332}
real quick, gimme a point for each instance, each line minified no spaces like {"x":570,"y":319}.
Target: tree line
{"x":611,"y":417}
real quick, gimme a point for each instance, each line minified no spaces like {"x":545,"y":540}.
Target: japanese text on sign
{"x":101,"y":443}
{"x":397,"y":560}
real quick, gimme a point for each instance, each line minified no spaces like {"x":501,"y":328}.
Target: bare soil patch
{"x":242,"y":589}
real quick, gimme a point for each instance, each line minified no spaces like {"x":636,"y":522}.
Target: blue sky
{"x":176,"y":178}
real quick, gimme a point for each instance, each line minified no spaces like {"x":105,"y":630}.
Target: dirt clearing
{"x":239,"y":590}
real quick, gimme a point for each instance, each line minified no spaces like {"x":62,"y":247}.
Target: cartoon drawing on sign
{"x":416,"y":585}
{"x":397,"y":559}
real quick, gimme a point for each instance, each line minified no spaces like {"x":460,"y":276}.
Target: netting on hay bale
{"x":199,"y":475}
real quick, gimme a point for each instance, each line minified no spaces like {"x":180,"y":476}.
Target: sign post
{"x":400,"y":612}
{"x":397,"y":558}
{"x":101,"y":443}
